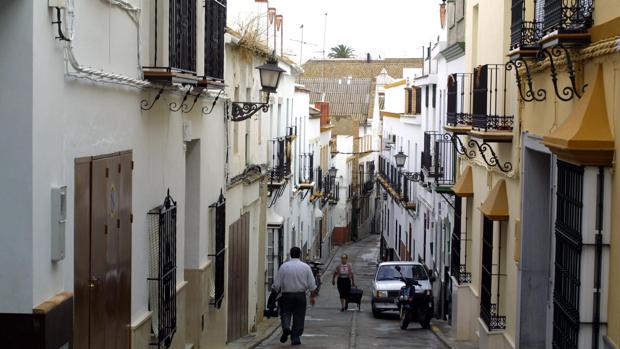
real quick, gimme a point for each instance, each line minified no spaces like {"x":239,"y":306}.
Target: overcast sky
{"x":389,"y":28}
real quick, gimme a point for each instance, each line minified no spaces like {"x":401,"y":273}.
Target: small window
{"x":418,"y":100}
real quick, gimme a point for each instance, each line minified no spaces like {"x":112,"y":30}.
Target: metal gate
{"x":238,"y":278}
{"x":567,"y":256}
{"x":103,"y":189}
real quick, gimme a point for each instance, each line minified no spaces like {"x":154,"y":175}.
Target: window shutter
{"x":480,"y":90}
{"x":215,"y":27}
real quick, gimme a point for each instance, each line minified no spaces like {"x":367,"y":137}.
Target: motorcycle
{"x":316,"y":271}
{"x":414,"y":305}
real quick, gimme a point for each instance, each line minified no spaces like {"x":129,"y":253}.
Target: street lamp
{"x":332,"y":172}
{"x":270,"y":74}
{"x":400,"y":159}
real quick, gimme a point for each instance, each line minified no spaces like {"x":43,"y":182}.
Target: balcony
{"x":489,"y":121}
{"x":459,"y":118}
{"x":179,"y":66}
{"x":566,"y":22}
{"x":438,"y":159}
{"x":306,"y":171}
{"x":280,"y":168}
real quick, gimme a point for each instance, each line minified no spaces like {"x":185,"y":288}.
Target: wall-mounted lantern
{"x":270,"y":74}
{"x":400,"y":159}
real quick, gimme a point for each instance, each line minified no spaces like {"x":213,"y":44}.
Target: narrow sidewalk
{"x":446,"y":334}
{"x":267,"y":327}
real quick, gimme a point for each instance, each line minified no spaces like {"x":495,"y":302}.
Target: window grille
{"x":182,"y":35}
{"x":458,"y":258}
{"x":219,"y":253}
{"x":568,"y":243}
{"x":409,"y":101}
{"x":215,"y":27}
{"x":434,"y":99}
{"x":489,"y":311}
{"x":162,"y":273}
{"x":426,"y":96}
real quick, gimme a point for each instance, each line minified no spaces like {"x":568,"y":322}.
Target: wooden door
{"x":238,"y":278}
{"x":103,"y":251}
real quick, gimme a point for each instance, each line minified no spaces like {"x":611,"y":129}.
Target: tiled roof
{"x":346,"y":97}
{"x":358,"y":68}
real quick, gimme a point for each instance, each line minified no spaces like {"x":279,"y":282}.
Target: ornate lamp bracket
{"x":459,"y":147}
{"x":553,"y":53}
{"x":529,"y":95}
{"x":245,"y":110}
{"x":491,"y":160}
{"x":145,"y":105}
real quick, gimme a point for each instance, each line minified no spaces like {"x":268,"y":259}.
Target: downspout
{"x":598,"y":251}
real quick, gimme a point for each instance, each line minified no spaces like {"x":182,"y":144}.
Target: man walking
{"x":294,"y":279}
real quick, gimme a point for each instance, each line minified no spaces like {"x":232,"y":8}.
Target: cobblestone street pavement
{"x":327,"y":327}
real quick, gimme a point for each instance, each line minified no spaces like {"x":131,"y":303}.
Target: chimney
{"x":324,"y":108}
{"x":442,"y":14}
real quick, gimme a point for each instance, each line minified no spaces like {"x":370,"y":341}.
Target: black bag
{"x":272,"y":305}
{"x":355,"y":296}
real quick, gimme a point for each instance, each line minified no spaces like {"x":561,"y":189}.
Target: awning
{"x":495,"y":206}
{"x":585,"y":137}
{"x":318,"y":213}
{"x":464,"y":186}
{"x":274,"y":219}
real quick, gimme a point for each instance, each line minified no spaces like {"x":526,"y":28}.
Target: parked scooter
{"x":316,"y":271}
{"x":414,"y":305}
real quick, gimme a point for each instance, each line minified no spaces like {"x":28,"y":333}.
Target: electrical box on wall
{"x":59,"y":220}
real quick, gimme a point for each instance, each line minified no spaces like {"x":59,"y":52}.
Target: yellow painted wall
{"x":487,"y":41}
{"x":543,"y":117}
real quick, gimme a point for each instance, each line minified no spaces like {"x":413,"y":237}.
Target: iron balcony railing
{"x":438,"y":158}
{"x":523,"y":34}
{"x":567,"y":15}
{"x":318,"y":184}
{"x":459,"y":99}
{"x":280,"y":160}
{"x":215,"y":27}
{"x":490,"y":99}
{"x":306,"y":168}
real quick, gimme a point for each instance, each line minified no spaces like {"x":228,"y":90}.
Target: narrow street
{"x":327,"y":327}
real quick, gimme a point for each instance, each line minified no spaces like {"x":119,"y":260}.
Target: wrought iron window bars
{"x":162,"y":279}
{"x":568,"y":249}
{"x":458,"y":265}
{"x":489,"y":312}
{"x":219,"y":254}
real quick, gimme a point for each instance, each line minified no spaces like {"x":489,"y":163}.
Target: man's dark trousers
{"x":293,"y":305}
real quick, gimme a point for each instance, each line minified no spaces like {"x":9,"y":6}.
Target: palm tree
{"x":341,"y":51}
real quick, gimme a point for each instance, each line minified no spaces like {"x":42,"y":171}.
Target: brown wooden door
{"x":238,"y":278}
{"x":103,"y":243}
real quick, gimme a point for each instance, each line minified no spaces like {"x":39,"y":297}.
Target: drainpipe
{"x":598,"y":251}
